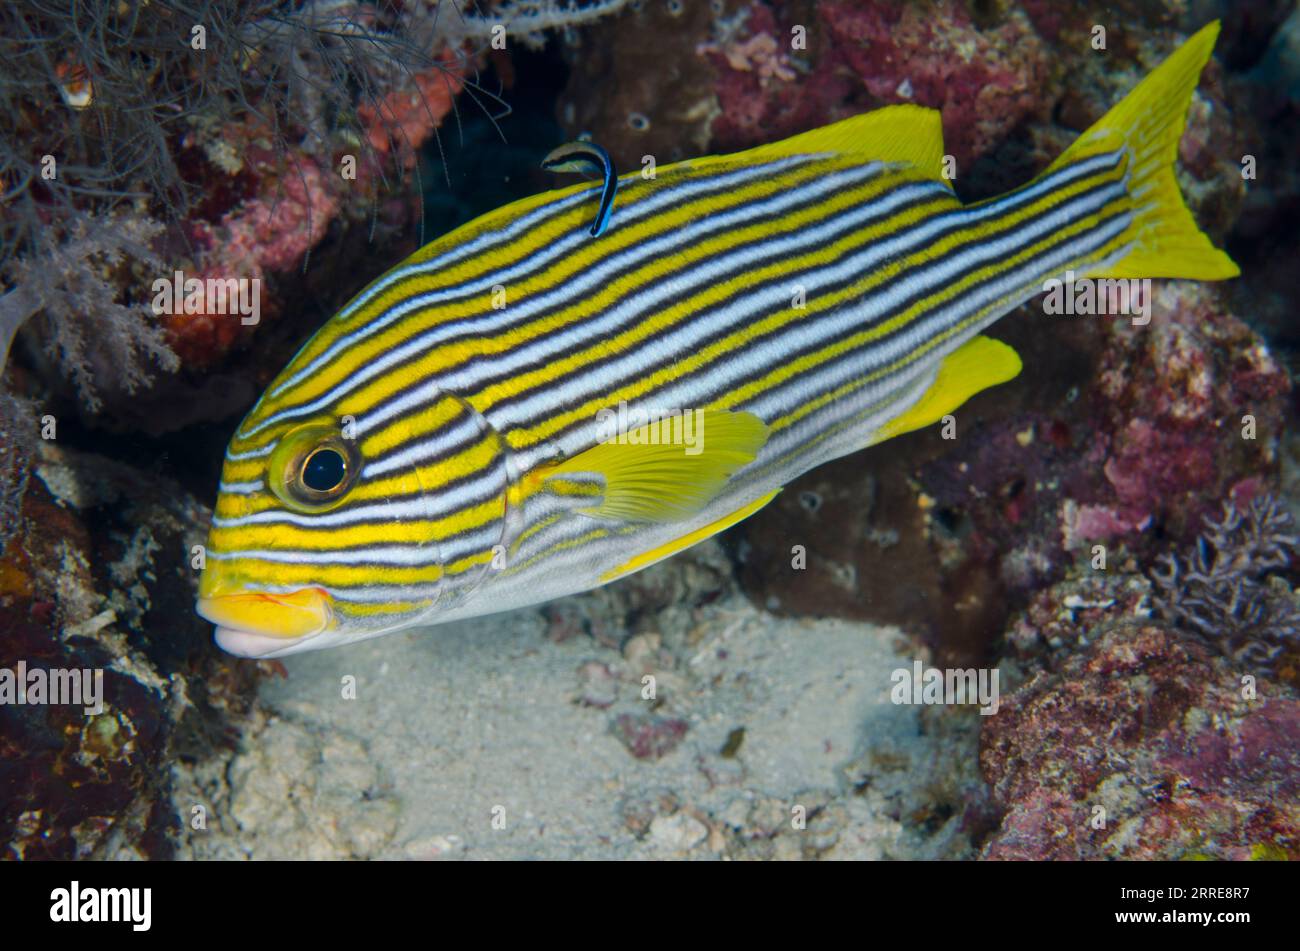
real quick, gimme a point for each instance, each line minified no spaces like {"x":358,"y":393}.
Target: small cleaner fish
{"x":523,"y":410}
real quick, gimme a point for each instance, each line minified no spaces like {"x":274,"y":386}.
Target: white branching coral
{"x":1230,"y":589}
{"x":69,"y":292}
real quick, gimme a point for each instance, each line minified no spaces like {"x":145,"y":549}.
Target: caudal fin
{"x":1148,"y":122}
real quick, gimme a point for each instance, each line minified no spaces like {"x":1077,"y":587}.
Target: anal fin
{"x":647,"y":558}
{"x":978,"y":364}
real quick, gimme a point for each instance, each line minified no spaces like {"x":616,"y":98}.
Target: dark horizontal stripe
{"x":977,"y":237}
{"x":457,"y":332}
{"x":807,"y":395}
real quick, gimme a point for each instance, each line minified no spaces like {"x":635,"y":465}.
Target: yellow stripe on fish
{"x":530,"y":406}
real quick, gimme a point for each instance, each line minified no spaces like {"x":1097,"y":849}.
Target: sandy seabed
{"x":491,"y":739}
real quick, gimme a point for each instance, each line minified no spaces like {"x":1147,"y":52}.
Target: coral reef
{"x":246,"y":143}
{"x":1230,"y":590}
{"x":1144,"y":745}
{"x":1154,"y":717}
{"x":98,"y":578}
{"x":98,"y":341}
{"x":707,"y":707}
{"x":1194,"y":407}
{"x":987,"y":81}
{"x":218,"y":137}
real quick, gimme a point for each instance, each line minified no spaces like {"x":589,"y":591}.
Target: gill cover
{"x":448,"y":505}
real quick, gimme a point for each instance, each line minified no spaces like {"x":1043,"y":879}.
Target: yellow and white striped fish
{"x":444,"y":446}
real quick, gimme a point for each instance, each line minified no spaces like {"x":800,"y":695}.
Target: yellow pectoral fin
{"x":665,"y":471}
{"x":647,"y":558}
{"x":976,"y":365}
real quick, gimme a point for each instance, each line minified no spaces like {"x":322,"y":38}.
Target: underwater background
{"x":1161,"y":686}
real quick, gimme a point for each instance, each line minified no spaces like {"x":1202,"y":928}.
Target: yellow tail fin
{"x":1148,"y":122}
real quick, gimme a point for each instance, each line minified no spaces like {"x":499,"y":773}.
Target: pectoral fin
{"x":645,"y":476}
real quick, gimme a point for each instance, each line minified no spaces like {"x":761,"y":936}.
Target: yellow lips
{"x":298,"y":614}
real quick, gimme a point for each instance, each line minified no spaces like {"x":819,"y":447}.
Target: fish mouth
{"x":261,"y":624}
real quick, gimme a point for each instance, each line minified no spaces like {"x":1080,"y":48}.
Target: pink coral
{"x":270,"y":231}
{"x":274,"y":232}
{"x":759,"y":53}
{"x":1138,"y":747}
{"x":404,"y":119}
{"x":289,"y":203}
{"x":986,"y":82}
{"x":1088,"y":523}
{"x":1175,"y":394}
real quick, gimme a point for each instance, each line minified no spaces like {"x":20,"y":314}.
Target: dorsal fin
{"x":906,"y":134}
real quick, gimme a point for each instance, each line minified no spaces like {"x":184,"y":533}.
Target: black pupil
{"x":324,"y":470}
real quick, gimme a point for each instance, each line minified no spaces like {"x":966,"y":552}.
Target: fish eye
{"x":312,"y":468}
{"x":324,"y":469}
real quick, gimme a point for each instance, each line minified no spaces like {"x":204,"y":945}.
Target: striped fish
{"x":521,"y":410}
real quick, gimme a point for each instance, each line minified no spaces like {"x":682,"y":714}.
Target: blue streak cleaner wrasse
{"x":521,"y":411}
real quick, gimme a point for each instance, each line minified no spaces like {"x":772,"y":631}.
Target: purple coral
{"x":1141,"y":746}
{"x":648,"y":735}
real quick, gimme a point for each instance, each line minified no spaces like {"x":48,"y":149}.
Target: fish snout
{"x":260,"y":623}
